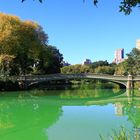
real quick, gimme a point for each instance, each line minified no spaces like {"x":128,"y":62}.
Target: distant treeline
{"x":96,"y":67}
{"x":131,"y":65}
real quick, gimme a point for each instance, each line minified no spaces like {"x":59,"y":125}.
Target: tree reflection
{"x":133,"y":112}
{"x":27,"y":115}
{"x":94,"y":93}
{"x":26,"y":118}
{"x":131,"y":109}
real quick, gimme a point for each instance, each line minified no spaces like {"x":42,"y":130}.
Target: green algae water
{"x":68,"y":114}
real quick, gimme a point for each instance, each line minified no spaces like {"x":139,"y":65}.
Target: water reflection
{"x":24,"y":115}
{"x":25,"y":118}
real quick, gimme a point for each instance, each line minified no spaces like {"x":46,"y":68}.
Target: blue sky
{"x":80,"y":30}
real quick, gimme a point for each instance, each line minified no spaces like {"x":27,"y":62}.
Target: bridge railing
{"x":136,"y":78}
{"x":71,"y":76}
{"x":105,"y":76}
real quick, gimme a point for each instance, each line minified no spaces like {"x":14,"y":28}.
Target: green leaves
{"x":94,"y":2}
{"x":133,"y":61}
{"x":50,"y":60}
{"x":125,"y":6}
{"x":20,"y":39}
{"x":38,"y":0}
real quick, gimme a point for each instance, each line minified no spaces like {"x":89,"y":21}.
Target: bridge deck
{"x":72,"y":76}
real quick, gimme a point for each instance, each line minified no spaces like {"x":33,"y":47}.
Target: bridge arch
{"x":58,"y":77}
{"x":121,"y":84}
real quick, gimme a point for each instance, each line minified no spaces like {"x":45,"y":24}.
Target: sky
{"x":80,"y":30}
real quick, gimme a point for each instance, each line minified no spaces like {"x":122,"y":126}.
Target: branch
{"x":38,"y":0}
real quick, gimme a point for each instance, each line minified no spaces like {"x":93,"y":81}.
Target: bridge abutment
{"x":129,"y":84}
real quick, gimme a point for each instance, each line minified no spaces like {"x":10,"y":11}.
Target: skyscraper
{"x":87,"y":62}
{"x":138,"y":44}
{"x":119,"y":56}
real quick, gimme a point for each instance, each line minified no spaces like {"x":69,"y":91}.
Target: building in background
{"x":138,"y":44}
{"x":87,"y":62}
{"x":119,"y":56}
{"x":119,"y":109}
{"x":64,"y":63}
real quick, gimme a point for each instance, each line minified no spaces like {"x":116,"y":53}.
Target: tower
{"x":138,"y":44}
{"x":119,"y":56}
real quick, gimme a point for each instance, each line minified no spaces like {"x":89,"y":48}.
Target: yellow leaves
{"x":9,"y":25}
{"x":31,"y":24}
{"x":6,"y":58}
{"x":15,"y":33}
{"x":22,"y":39}
{"x":6,"y":21}
{"x":9,"y":17}
{"x":6,"y":125}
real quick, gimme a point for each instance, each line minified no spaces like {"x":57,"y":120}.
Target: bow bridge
{"x":126,"y":81}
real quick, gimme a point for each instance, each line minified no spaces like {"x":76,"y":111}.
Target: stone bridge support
{"x":130,"y":83}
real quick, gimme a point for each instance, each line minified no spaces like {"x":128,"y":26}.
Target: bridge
{"x":126,"y":81}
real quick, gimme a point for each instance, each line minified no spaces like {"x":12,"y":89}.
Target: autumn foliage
{"x":25,"y":42}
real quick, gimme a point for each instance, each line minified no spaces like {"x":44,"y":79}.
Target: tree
{"x":131,"y":65}
{"x":6,"y":62}
{"x":125,"y":6}
{"x":133,"y":62}
{"x":101,"y":67}
{"x":104,"y":70}
{"x":121,"y":69}
{"x":50,"y":60}
{"x":99,"y":63}
{"x":78,"y":68}
{"x":23,"y":39}
{"x":28,"y":43}
{"x":38,"y":0}
{"x":55,"y":61}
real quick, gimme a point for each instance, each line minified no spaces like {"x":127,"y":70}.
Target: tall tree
{"x":50,"y":60}
{"x":23,"y":39}
{"x":27,"y":42}
{"x":133,"y":62}
{"x":121,"y":69}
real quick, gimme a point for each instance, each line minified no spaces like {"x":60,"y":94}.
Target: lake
{"x":82,"y":114}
